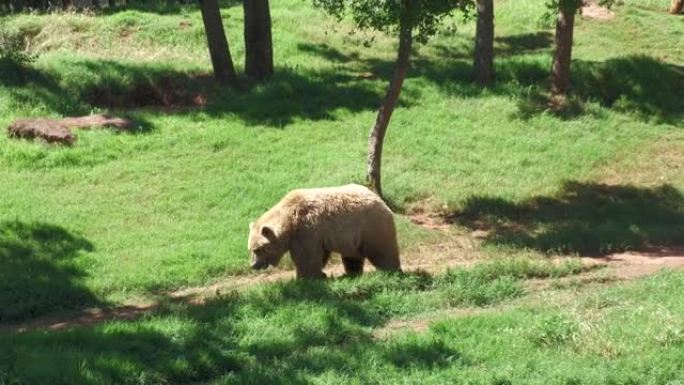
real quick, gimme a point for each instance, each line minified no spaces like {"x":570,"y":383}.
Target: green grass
{"x":323,"y":332}
{"x":168,"y":205}
{"x":585,"y":218}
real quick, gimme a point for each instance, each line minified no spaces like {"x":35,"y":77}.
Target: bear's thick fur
{"x":311,"y":223}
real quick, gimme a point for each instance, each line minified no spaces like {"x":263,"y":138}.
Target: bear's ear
{"x":251,"y":226}
{"x":268,"y":233}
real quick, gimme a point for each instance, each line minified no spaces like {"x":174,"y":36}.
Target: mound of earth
{"x":59,"y":130}
{"x":49,"y":130}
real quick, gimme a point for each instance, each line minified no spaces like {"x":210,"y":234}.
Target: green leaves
{"x":554,"y":6}
{"x":423,"y":16}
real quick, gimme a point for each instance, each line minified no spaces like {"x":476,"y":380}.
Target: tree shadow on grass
{"x":162,"y":7}
{"x":522,"y":44}
{"x":116,"y":354}
{"x":422,"y":354}
{"x":339,"y":339}
{"x":326,"y":51}
{"x":586,"y":218}
{"x":39,"y":273}
{"x":290,"y":95}
{"x":642,"y":86}
{"x":283,"y":333}
{"x":29,"y":86}
{"x":311,"y":96}
{"x":460,"y":47}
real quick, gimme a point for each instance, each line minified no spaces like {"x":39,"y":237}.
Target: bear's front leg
{"x":309,"y":260}
{"x":353,"y":265}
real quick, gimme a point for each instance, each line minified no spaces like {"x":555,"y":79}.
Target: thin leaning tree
{"x":565,"y":11}
{"x":565,"y":27}
{"x":409,"y":20}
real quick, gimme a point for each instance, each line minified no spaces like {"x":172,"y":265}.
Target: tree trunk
{"x":484,"y":43}
{"x":17,"y":6}
{"x":221,"y":60}
{"x":560,"y":72}
{"x":258,"y":42}
{"x":377,"y":134}
{"x":111,"y":4}
{"x":677,"y":6}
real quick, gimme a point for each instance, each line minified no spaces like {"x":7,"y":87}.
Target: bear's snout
{"x":259,"y":265}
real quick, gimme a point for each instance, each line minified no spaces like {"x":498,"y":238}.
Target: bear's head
{"x":265,"y":245}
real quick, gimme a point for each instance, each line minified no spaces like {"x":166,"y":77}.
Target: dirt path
{"x":433,"y":259}
{"x":630,"y":265}
{"x":619,"y":267}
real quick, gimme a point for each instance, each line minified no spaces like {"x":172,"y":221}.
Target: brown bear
{"x":312,"y":223}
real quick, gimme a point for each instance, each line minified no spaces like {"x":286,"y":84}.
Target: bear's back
{"x":315,"y":204}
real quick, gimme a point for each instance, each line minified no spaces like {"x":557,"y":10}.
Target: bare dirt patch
{"x":592,"y":10}
{"x":633,"y":264}
{"x":426,"y":213}
{"x":428,"y":220}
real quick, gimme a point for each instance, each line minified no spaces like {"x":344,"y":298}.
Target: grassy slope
{"x":129,"y":214}
{"x":323,"y":333}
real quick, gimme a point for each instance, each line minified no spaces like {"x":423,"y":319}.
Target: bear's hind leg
{"x":353,"y":265}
